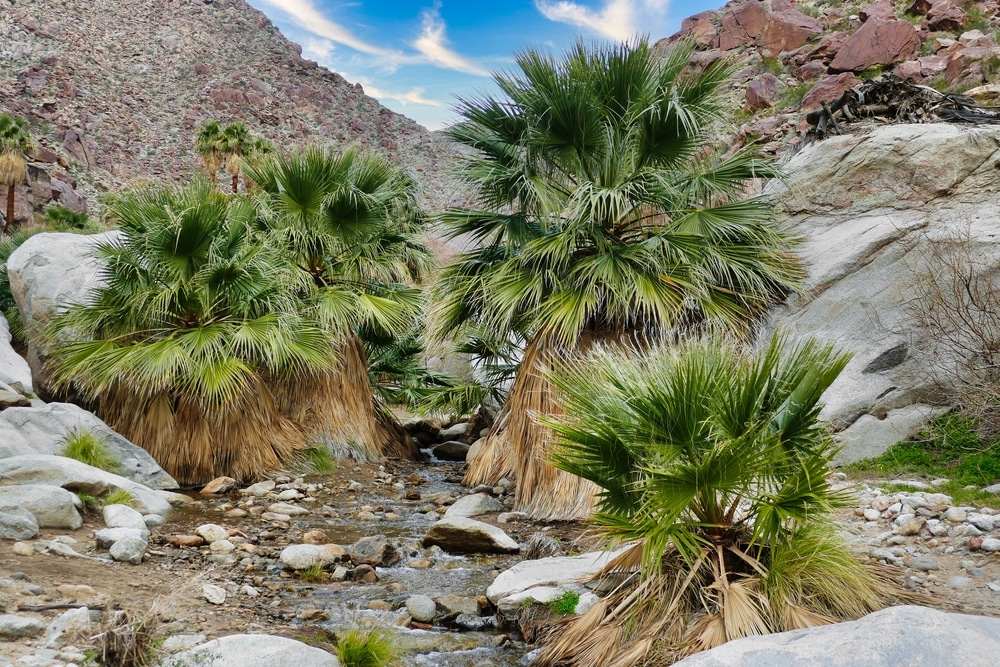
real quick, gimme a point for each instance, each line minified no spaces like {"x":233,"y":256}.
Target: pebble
{"x":924,"y":564}
{"x":211,"y":532}
{"x":991,"y":544}
{"x":421,"y":608}
{"x":22,"y":549}
{"x":871,"y":514}
{"x":214,"y":594}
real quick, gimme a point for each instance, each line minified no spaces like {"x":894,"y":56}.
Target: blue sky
{"x":416,"y":57}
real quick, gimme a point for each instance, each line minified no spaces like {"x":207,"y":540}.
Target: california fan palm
{"x":348,"y":223}
{"x":15,"y":141}
{"x":713,"y":466}
{"x":604,"y":217}
{"x":197,"y":321}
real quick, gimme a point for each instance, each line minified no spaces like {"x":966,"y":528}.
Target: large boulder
{"x":894,"y":637}
{"x":52,"y":506}
{"x":43,"y":430}
{"x":474,"y":504}
{"x":875,"y":44}
{"x":467,"y":536}
{"x":78,"y":477}
{"x":48,"y":272}
{"x":869,"y":208}
{"x":14,"y":370}
{"x":256,"y":650}
{"x":786,"y":31}
{"x":548,"y":572}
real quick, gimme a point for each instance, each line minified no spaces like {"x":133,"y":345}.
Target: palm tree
{"x":347,"y":221}
{"x":604,"y":217}
{"x":713,"y":465}
{"x":235,"y":143}
{"x":15,"y":141}
{"x":198,"y":321}
{"x":208,"y":144}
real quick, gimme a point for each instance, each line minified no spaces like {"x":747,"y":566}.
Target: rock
{"x":871,"y":514}
{"x":214,"y":594}
{"x":13,"y":627}
{"x":186,"y":540}
{"x":990,"y":544}
{"x":742,"y":25}
{"x":375,"y":551}
{"x":983,"y":522}
{"x":867,"y":207}
{"x":315,"y":537}
{"x":256,"y":650}
{"x":219,"y":485}
{"x":474,"y":450}
{"x":954,"y":515}
{"x":830,"y":88}
{"x":222,"y":546}
{"x":78,"y":477}
{"x":52,"y":506}
{"x":870,"y":436}
{"x":77,"y":591}
{"x":762,"y":92}
{"x":451,"y":451}
{"x":14,"y":370}
{"x":106,"y":537}
{"x":548,"y":572}
{"x":175,"y":643}
{"x":474,"y":505}
{"x":786,"y":31}
{"x":211,"y":532}
{"x":911,"y":525}
{"x":886,"y":637}
{"x":258,"y":489}
{"x":461,"y":535}
{"x":881,"y":10}
{"x":129,"y":549}
{"x":365,"y":574}
{"x":287,"y":509}
{"x":44,"y":430}
{"x":12,"y":399}
{"x":17,"y":523}
{"x":876,"y":43}
{"x":22,"y":549}
{"x":421,"y":608}
{"x":701,"y":27}
{"x":475,"y":622}
{"x":453,"y":432}
{"x":509,"y":605}
{"x":68,"y":627}
{"x":153,"y":521}
{"x":452,"y":606}
{"x":924,"y":564}
{"x":123,"y":516}
{"x":304,"y":556}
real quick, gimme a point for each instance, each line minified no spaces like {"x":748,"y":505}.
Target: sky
{"x":418,"y":57}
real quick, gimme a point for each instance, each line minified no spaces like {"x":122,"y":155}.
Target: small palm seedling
{"x":88,"y":447}
{"x":367,"y":647}
{"x":713,"y":465}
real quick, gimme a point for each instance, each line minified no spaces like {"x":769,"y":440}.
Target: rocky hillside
{"x":116,"y":90}
{"x":794,"y":56}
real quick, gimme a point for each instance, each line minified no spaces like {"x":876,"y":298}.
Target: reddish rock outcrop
{"x":882,"y":10}
{"x":762,"y":92}
{"x":786,"y":31}
{"x":742,"y":25}
{"x":701,"y":27}
{"x":876,"y":43}
{"x":829,"y":89}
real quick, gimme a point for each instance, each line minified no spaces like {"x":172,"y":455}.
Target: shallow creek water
{"x":349,"y":603}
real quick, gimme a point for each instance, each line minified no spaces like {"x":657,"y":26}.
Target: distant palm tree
{"x":604,"y":218}
{"x":235,"y":143}
{"x":15,"y":141}
{"x":198,"y":320}
{"x":713,"y":466}
{"x":348,"y":223}
{"x":207,"y":142}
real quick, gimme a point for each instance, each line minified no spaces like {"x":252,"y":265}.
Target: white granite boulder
{"x":52,"y":506}
{"x":462,"y":536}
{"x":256,"y":650}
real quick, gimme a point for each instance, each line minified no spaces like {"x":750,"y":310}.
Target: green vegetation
{"x":715,"y":465}
{"x":62,"y":219}
{"x":120,"y":497}
{"x":602,"y":216}
{"x":90,"y":503}
{"x":367,"y":647}
{"x":318,"y":460}
{"x":15,"y":141}
{"x":949,"y":448}
{"x":88,"y":447}
{"x":313,"y":574}
{"x":792,"y":96}
{"x":565,"y":604}
{"x":976,"y":18}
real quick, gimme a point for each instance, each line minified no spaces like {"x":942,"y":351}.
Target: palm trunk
{"x":9,"y":220}
{"x":519,"y":445}
{"x":236,"y":182}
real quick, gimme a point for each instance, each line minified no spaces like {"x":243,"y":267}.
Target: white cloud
{"x":620,"y":20}
{"x":413,"y":96}
{"x":433,"y":45}
{"x":319,"y":49}
{"x":303,"y":13}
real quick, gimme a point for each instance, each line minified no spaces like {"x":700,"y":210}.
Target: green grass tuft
{"x":318,"y":460}
{"x":565,"y":604}
{"x":314,"y":574}
{"x":120,"y":497}
{"x":949,"y":448}
{"x":90,"y":503}
{"x":89,"y":448}
{"x":367,"y":647}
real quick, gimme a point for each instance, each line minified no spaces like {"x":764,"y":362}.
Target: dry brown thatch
{"x":336,"y":409}
{"x":197,"y":443}
{"x":520,"y":446}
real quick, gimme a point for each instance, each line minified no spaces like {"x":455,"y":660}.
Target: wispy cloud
{"x":303,"y":13}
{"x":620,"y":20}
{"x":433,"y":45}
{"x":413,"y":96}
